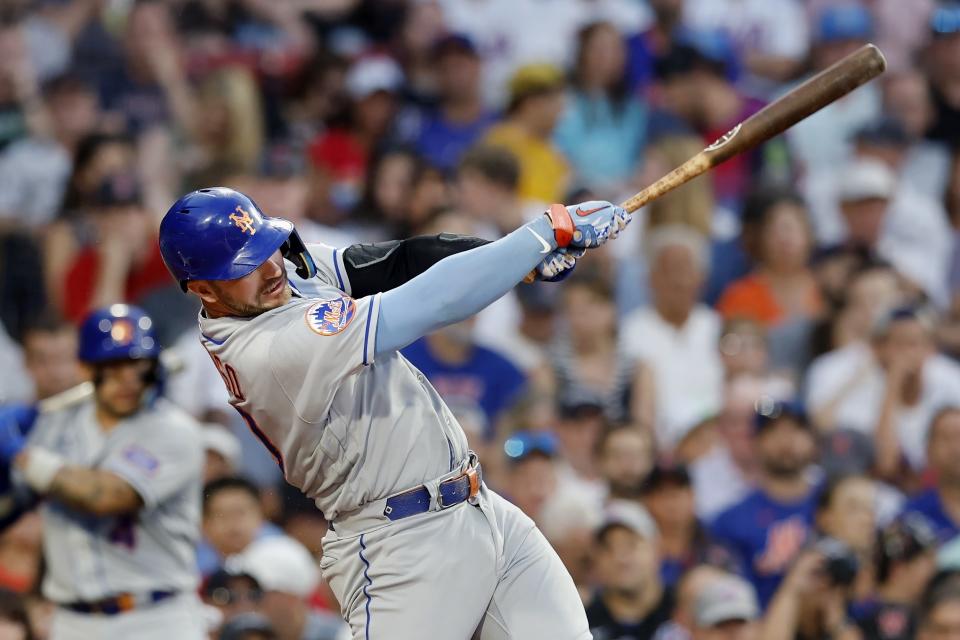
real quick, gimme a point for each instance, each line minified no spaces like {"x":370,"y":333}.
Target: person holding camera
{"x":905,"y":562}
{"x":811,"y":603}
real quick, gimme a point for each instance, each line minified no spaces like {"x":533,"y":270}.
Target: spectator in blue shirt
{"x":768,"y":528}
{"x":941,"y":504}
{"x":443,"y":133}
{"x":604,"y":127}
{"x":477,"y":383}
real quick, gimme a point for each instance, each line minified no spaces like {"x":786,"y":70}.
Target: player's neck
{"x":107,"y":420}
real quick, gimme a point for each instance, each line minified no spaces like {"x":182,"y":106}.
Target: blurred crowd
{"x":741,"y":420}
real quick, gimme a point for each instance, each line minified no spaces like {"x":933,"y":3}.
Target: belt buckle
{"x":474,"y":479}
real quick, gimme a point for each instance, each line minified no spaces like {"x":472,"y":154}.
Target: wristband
{"x":42,"y":466}
{"x":562,"y":224}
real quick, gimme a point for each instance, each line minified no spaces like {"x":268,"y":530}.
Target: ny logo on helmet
{"x":243,"y":220}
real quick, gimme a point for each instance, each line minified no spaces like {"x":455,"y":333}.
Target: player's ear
{"x":203,"y":290}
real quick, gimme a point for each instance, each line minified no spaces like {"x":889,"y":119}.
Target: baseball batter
{"x":121,"y":474}
{"x":308,"y":349}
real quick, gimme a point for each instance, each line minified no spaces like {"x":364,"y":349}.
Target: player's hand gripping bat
{"x":826,"y":87}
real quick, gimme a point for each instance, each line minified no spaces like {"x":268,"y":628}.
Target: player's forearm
{"x":461,"y":285}
{"x":94,"y":491}
{"x":374,"y":268}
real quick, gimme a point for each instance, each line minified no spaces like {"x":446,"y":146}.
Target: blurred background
{"x":740,"y":420}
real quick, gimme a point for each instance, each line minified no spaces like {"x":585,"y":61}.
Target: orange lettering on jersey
{"x":243,"y":220}
{"x":784,"y":540}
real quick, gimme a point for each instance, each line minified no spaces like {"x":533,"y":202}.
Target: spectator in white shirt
{"x":677,"y":336}
{"x":889,"y":389}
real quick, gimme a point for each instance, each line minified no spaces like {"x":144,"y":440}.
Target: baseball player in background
{"x":307,"y":340}
{"x":120,"y":475}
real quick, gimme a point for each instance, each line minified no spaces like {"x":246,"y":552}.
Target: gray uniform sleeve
{"x":330,"y":267}
{"x":159,"y":463}
{"x":323,"y":344}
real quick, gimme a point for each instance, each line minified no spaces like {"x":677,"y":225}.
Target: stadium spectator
{"x":222,"y":450}
{"x":771,"y":37}
{"x":603,"y":128}
{"x":586,"y":359}
{"x":233,"y":593}
{"x":667,"y":494}
{"x":943,"y":71}
{"x":530,"y":477}
{"x":478,"y":384}
{"x":823,"y":140}
{"x":232,"y":520}
{"x":625,"y":457}
{"x":691,"y":583}
{"x":341,"y":156}
{"x":766,"y":530}
{"x":535,"y":107}
{"x":890,"y":389}
{"x":904,"y":564}
{"x":50,"y":356}
{"x":676,"y":336}
{"x":809,"y":604}
{"x":288,"y":575}
{"x":725,"y":474}
{"x":726,"y":609}
{"x":940,"y":504}
{"x":631,"y":602}
{"x":442,"y":134}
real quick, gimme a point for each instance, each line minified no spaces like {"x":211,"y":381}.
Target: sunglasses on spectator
{"x":222,"y":596}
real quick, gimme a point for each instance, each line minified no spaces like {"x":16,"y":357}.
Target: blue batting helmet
{"x":221,"y":234}
{"x":118,"y":332}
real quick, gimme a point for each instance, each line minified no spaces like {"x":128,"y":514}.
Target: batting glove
{"x":559,"y":264}
{"x":588,"y":224}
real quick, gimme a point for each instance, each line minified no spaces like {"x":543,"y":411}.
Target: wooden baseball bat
{"x":829,"y":85}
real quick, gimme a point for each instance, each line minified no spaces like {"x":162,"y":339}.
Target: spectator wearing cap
{"x":771,"y":36}
{"x":822,"y":140}
{"x":676,"y":336}
{"x":889,"y":389}
{"x":603,"y":129}
{"x":943,"y":70}
{"x":631,"y":602}
{"x":940,"y":504}
{"x":443,"y":133}
{"x":535,"y":106}
{"x":726,"y":609}
{"x":905,"y":561}
{"x":688,"y":588}
{"x":471,"y":379}
{"x":625,"y":457}
{"x":580,"y":425}
{"x":667,"y":494}
{"x":530,"y":477}
{"x":288,"y":575}
{"x":696,"y":81}
{"x":232,"y":593}
{"x":766,"y":530}
{"x":340,"y":156}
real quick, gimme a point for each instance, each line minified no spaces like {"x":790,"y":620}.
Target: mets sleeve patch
{"x":330,"y":317}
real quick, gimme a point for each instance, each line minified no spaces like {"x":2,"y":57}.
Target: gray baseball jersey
{"x":159,"y":452}
{"x":345,"y":429}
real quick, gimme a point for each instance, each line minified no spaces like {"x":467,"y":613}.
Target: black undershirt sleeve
{"x":374,"y":268}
